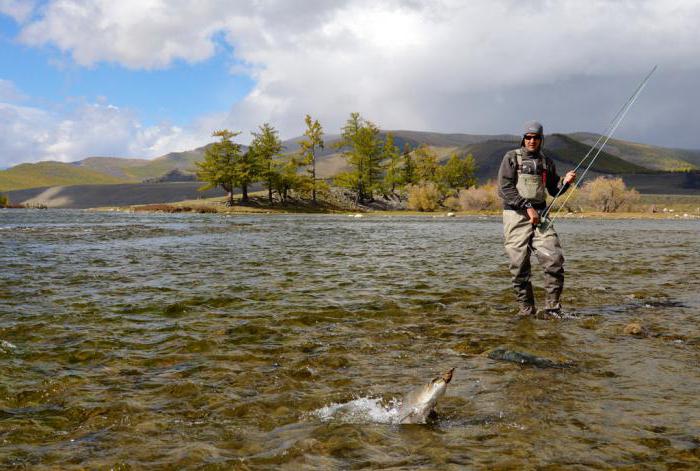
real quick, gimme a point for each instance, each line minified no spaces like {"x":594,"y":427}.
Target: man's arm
{"x":553,"y":187}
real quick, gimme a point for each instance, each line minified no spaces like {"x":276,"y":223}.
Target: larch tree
{"x":408,"y":169}
{"x":458,"y":173}
{"x":360,"y":139}
{"x":265,"y":146}
{"x":286,"y":176}
{"x":392,"y":158}
{"x":312,"y":142}
{"x":220,"y":164}
{"x":426,"y":164}
{"x":247,"y":173}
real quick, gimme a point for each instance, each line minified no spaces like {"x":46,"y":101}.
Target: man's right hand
{"x":534,"y":216}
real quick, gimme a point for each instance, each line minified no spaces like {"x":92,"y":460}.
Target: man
{"x":524,"y":178}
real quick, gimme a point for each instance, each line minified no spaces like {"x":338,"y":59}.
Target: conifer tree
{"x":219,"y":167}
{"x":426,"y":164}
{"x":313,"y":141}
{"x":247,"y":173}
{"x":286,"y":177}
{"x":264,"y":147}
{"x":408,"y":170}
{"x":390,"y":155}
{"x":363,"y":153}
{"x":458,"y":173}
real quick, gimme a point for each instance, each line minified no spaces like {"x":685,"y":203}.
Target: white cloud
{"x":134,"y":33}
{"x":445,"y":65}
{"x":20,"y":10}
{"x":32,"y":134}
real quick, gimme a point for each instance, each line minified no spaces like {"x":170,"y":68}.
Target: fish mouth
{"x":447,"y":376}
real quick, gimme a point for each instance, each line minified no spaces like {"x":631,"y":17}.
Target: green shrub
{"x":4,"y":201}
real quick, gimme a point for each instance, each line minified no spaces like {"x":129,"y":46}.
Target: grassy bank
{"x":258,"y":204}
{"x":649,"y":207}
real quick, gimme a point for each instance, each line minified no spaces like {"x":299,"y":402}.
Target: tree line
{"x":377,"y":168}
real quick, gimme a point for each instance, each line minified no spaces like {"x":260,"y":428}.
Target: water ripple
{"x":257,"y":342}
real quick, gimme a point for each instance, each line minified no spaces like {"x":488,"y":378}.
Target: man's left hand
{"x":569,"y":177}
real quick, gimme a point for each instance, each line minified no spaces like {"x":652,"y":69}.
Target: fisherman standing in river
{"x":524,"y":178}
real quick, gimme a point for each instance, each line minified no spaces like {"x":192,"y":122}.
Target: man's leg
{"x":551,"y":257}
{"x":518,"y":231}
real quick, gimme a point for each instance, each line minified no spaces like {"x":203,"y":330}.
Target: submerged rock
{"x":636,"y":330}
{"x":524,"y":358}
{"x":6,"y":347}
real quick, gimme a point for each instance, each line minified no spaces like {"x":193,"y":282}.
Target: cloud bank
{"x":88,"y":129}
{"x":479,"y":66}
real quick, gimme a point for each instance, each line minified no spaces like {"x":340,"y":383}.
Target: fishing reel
{"x":545,"y":222}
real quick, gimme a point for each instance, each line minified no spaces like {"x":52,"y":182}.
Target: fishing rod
{"x":610,"y":130}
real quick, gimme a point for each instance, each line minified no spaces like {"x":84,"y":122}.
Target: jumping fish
{"x":523,"y":358}
{"x":419,"y":403}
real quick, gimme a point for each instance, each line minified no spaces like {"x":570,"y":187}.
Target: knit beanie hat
{"x":532,"y":127}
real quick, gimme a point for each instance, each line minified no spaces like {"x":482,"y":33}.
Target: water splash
{"x":360,"y":410}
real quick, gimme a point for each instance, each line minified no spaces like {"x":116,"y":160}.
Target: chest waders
{"x":532,"y":184}
{"x":532,"y":178}
{"x":521,"y":238}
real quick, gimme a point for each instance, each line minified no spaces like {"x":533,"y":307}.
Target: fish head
{"x":418,"y":404}
{"x":437,"y":386}
{"x":447,"y":375}
{"x":431,"y":392}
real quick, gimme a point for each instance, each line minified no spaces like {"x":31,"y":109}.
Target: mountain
{"x":136,"y":170}
{"x":636,"y":163}
{"x":651,"y":157}
{"x":98,"y":170}
{"x":571,"y":151}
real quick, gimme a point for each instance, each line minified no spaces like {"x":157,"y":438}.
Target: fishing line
{"x":610,"y":130}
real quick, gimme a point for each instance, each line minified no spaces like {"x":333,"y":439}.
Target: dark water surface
{"x":133,"y":341}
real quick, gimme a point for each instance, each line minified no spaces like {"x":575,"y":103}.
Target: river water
{"x":162,"y":341}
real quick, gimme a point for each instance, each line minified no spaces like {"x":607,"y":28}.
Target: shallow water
{"x":258,"y":342}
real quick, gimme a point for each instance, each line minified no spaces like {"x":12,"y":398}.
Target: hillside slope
{"x":51,"y":173}
{"x":569,"y":150}
{"x":651,"y":157}
{"x":136,"y":170}
{"x":94,"y":196}
{"x":115,"y":166}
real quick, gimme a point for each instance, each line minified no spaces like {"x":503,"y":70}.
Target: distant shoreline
{"x":138,"y":197}
{"x":258,"y":206}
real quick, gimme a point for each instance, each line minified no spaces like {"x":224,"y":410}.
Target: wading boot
{"x":526,"y":299}
{"x":526,"y":310}
{"x":552,"y":309}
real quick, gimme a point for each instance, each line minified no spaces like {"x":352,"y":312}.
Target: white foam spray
{"x":360,"y":410}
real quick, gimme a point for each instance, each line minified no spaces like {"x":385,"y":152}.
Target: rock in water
{"x":636,"y":329}
{"x":419,"y":403}
{"x":523,"y":358}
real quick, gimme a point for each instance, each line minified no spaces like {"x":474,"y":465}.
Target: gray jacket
{"x":508,"y":179}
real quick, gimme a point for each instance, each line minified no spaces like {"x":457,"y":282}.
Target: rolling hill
{"x":52,"y":173}
{"x":627,"y":159}
{"x":650,"y":157}
{"x":136,"y":170}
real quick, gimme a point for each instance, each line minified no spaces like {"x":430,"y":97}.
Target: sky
{"x":141,"y":78}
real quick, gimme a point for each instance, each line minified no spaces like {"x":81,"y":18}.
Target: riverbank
{"x":649,"y":207}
